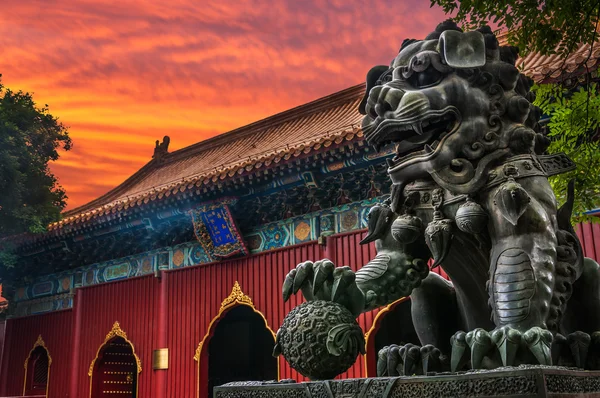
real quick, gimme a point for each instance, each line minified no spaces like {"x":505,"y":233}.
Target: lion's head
{"x":453,"y":104}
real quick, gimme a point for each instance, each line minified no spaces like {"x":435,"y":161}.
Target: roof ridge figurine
{"x":161,"y":149}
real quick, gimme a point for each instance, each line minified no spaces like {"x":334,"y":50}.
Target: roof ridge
{"x":326,"y":102}
{"x":257,"y":157}
{"x":342,"y":96}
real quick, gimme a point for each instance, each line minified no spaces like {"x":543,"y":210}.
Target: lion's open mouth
{"x":417,"y":137}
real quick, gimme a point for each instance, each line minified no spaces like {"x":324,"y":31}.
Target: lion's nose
{"x":383,"y":99}
{"x":412,"y":104}
{"x":372,"y":101}
{"x":391,"y":98}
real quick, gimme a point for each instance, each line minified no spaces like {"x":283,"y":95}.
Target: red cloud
{"x":124,"y":74}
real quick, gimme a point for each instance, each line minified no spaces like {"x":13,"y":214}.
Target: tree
{"x":546,"y":26}
{"x":553,"y":27}
{"x":30,"y":196}
{"x":575,"y":115}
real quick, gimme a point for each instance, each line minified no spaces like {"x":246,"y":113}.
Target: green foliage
{"x":547,"y":27}
{"x":574,"y":122}
{"x":30,"y":137}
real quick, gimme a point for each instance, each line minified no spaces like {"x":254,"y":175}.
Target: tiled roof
{"x":549,"y":68}
{"x":297,"y":131}
{"x":321,"y":123}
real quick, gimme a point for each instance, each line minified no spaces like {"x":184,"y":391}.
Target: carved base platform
{"x":523,"y":381}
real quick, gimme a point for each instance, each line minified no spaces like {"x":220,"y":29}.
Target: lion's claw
{"x":321,"y":280}
{"x":460,"y":351}
{"x":504,"y":345}
{"x":288,"y":285}
{"x":430,"y":358}
{"x":323,"y":273}
{"x":507,"y":340}
{"x":410,"y":355}
{"x":594,"y":351}
{"x":394,"y":363}
{"x":343,"y":277}
{"x":480,"y":343}
{"x":579,"y":343}
{"x":304,"y":275}
{"x":539,"y":342}
{"x":404,"y":360}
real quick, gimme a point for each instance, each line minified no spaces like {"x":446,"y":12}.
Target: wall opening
{"x":396,"y":327}
{"x":240,"y":349}
{"x":392,"y":325}
{"x":238,"y":337}
{"x":115,"y":370}
{"x":38,"y":368}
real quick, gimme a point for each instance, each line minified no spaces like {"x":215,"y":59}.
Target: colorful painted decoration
{"x":44,"y":294}
{"x":216,"y":230}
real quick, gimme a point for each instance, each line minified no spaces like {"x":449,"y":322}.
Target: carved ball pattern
{"x":471,"y":218}
{"x":406,"y":228}
{"x":303,"y":338}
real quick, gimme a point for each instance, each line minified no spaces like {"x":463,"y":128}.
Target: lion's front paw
{"x":408,"y":359}
{"x":322,"y":280}
{"x":503,"y":346}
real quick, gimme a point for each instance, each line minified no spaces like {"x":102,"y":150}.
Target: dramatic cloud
{"x":123,"y":74}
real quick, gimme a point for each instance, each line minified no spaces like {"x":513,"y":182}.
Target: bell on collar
{"x":471,"y":217}
{"x":407,"y":228}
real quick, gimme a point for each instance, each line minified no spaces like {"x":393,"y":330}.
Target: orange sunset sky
{"x":122,"y":74}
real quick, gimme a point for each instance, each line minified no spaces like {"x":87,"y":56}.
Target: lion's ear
{"x":462,"y":50}
{"x":372,"y":77}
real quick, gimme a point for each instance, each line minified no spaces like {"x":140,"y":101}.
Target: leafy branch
{"x":572,"y":128}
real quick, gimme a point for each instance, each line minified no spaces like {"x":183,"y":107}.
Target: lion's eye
{"x":429,"y":77}
{"x":386,"y":77}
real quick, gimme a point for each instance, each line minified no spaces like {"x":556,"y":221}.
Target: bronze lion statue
{"x":470,"y":191}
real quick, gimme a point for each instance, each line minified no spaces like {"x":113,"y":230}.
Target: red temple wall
{"x":195,"y":296}
{"x":589,"y":235}
{"x":21,"y":334}
{"x":193,"y":299}
{"x":131,"y":302}
{"x":2,"y":336}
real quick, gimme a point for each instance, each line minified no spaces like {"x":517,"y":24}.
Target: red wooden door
{"x":115,"y":371}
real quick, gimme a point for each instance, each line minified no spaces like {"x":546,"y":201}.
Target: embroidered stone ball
{"x":320,"y":339}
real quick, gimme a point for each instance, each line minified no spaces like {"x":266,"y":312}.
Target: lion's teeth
{"x":418,"y":128}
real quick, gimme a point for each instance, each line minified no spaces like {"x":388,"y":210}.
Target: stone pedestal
{"x":523,"y":381}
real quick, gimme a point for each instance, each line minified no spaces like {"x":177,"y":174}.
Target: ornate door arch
{"x":37,"y":369}
{"x":115,"y":369}
{"x":236,"y":299}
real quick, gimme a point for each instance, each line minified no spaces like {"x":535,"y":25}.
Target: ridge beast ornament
{"x":470,"y":182}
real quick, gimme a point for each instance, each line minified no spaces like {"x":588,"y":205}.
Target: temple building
{"x":170,"y":283}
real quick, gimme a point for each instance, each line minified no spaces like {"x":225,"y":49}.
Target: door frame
{"x":236,"y":297}
{"x":115,"y":332}
{"x":39,"y":343}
